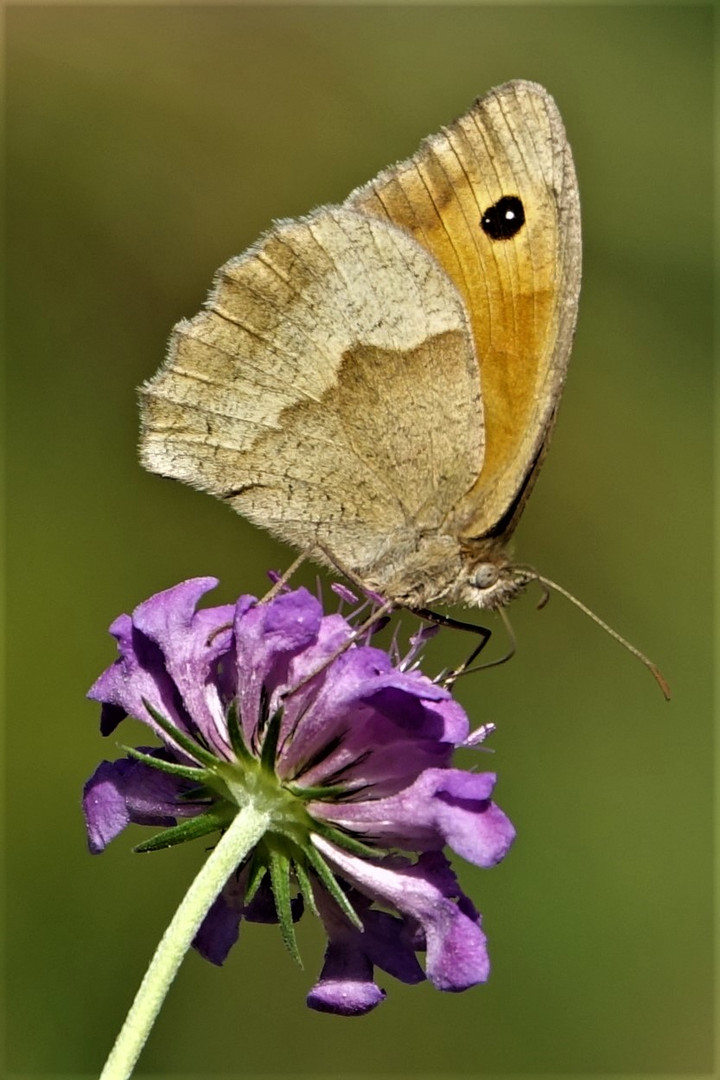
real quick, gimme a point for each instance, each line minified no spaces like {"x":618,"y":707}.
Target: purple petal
{"x":326,"y":714}
{"x":168,"y":656}
{"x":267,"y":636}
{"x":138,"y":673}
{"x":387,"y":941}
{"x":312,"y":665}
{"x":106,"y":814}
{"x":220,"y":928}
{"x":345,"y":986}
{"x":191,"y":643}
{"x":406,"y":735}
{"x":124,"y":791}
{"x":371,"y":725}
{"x":443,"y":806}
{"x":456,"y":951}
{"x":390,"y":943}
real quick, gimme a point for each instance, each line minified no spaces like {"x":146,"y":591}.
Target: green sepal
{"x":304,"y":884}
{"x":188,"y":772}
{"x":280,"y":880}
{"x":327,"y":877}
{"x":317,"y":794}
{"x":347,"y":842}
{"x":198,"y":794}
{"x":270,"y":742}
{"x":236,"y":736}
{"x":263,"y":710}
{"x":258,"y":870}
{"x":189,"y":745}
{"x":187,"y":830}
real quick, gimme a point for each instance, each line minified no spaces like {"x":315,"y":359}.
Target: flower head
{"x":347,"y":752}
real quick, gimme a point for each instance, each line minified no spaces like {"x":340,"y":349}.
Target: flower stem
{"x":247,"y":828}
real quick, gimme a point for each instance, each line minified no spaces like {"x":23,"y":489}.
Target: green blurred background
{"x":146,"y":145}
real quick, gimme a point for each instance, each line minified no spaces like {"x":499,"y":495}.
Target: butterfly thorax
{"x":443,"y":570}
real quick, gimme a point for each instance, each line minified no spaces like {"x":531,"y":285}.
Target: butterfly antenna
{"x":544,"y":597}
{"x":652,"y":668}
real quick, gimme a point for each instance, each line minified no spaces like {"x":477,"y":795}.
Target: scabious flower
{"x":349,"y":755}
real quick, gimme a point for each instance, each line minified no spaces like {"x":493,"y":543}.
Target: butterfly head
{"x":491,"y":582}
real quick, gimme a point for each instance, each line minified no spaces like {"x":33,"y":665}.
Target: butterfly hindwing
{"x":307,"y":394}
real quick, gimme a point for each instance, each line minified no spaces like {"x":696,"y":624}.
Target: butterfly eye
{"x":485,"y":576}
{"x":503,"y":220}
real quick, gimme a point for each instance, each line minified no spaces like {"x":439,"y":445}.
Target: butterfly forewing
{"x":521,"y":289}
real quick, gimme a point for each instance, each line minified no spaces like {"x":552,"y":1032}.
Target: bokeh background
{"x":148,"y":144}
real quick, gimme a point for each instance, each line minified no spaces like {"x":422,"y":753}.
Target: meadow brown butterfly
{"x":381,"y":378}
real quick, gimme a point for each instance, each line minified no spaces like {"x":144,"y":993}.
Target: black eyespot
{"x":503,"y":220}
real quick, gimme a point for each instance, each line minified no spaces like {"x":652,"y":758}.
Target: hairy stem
{"x":240,"y":837}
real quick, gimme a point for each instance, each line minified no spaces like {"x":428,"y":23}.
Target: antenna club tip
{"x":662,"y":682}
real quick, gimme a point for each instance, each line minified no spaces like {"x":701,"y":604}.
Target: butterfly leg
{"x":465,"y":668}
{"x":485,"y":634}
{"x":273,"y":591}
{"x":285,"y":577}
{"x":352,"y":577}
{"x":456,"y":624}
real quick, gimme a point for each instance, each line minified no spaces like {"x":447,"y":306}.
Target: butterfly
{"x":377,"y":382}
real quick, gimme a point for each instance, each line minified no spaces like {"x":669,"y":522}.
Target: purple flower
{"x":350,"y":754}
